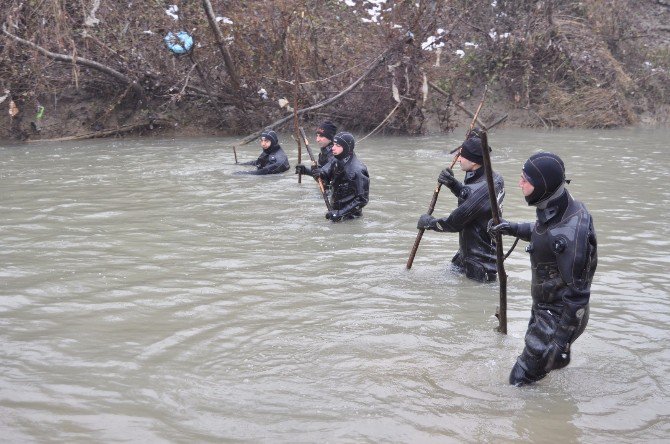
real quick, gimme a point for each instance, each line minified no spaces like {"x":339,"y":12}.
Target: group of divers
{"x":561,"y":242}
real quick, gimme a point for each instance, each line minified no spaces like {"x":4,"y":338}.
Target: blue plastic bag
{"x":179,"y":43}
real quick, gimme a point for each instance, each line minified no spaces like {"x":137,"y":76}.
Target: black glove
{"x":333,"y":216}
{"x":426,"y":222}
{"x":302,"y":169}
{"x":504,"y":227}
{"x":447,"y":178}
{"x":315,"y":172}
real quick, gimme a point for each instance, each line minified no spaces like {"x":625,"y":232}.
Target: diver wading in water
{"x":476,"y":257}
{"x":348,"y":178}
{"x":273,"y":159}
{"x":563,"y":257}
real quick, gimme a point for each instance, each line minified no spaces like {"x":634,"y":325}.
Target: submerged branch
{"x":111,"y":132}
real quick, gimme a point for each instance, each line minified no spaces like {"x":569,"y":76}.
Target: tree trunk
{"x":230,"y":67}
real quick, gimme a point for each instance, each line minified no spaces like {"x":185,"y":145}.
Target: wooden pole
{"x":322,"y":187}
{"x":296,"y":90}
{"x":495,"y":214}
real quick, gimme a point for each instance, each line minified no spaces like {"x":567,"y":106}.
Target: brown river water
{"x":147,"y":294}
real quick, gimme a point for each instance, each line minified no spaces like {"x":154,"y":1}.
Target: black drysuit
{"x":476,"y":255}
{"x":350,"y":184}
{"x":326,"y":157}
{"x":271,"y":161}
{"x":563,"y":255}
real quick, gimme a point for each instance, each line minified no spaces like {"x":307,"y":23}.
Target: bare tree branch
{"x":378,"y":61}
{"x":85,"y":62}
{"x":230,"y":67}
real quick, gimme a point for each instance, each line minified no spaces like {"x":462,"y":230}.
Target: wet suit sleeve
{"x":277,"y":163}
{"x":326,"y":171}
{"x":361,"y":182}
{"x":524,"y":230}
{"x":455,"y":187}
{"x":467,"y":211}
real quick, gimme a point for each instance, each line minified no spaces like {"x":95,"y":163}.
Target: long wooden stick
{"x":495,"y":213}
{"x":296,"y":89}
{"x":295,"y":124}
{"x":431,"y":207}
{"x":322,"y":187}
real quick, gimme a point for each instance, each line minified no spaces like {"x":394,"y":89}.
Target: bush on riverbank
{"x":551,"y":63}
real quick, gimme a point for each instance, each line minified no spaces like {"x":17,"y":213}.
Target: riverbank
{"x":549,"y":64}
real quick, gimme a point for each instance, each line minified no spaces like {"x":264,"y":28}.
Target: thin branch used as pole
{"x":296,"y":91}
{"x":495,"y":215}
{"x":319,"y":180}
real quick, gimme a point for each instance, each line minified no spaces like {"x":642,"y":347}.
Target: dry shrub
{"x":592,"y":92}
{"x":590,"y":55}
{"x":587,"y":107}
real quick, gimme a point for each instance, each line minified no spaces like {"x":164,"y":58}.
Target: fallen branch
{"x":378,"y":61}
{"x":112,"y":132}
{"x":227,"y":59}
{"x":461,"y":107}
{"x":204,"y":93}
{"x":498,"y":122}
{"x":205,"y":81}
{"x":113,"y":106}
{"x":383,"y":122}
{"x":81,"y":61}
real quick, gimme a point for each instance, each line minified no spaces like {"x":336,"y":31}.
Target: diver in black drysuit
{"x":349,"y":180}
{"x":563,"y":256}
{"x":476,"y":256}
{"x":272,"y":160}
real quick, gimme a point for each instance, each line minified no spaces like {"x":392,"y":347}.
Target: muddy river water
{"x":147,"y":294}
